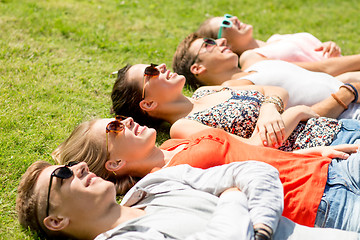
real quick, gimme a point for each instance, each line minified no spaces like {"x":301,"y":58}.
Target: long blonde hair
{"x":84,"y":146}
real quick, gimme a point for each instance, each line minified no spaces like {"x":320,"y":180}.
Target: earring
{"x":114,"y":173}
{"x":196,"y":75}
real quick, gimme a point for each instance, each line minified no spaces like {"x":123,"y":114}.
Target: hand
{"x":270,"y":126}
{"x":230,"y":190}
{"x":330,"y":48}
{"x":264,"y":230}
{"x":342,"y":151}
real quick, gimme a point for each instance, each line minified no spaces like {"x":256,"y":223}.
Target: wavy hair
{"x":84,"y":146}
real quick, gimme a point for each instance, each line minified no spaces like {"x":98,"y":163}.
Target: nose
{"x":80,"y":169}
{"x":221,"y":41}
{"x":162,"y":68}
{"x":128,"y":122}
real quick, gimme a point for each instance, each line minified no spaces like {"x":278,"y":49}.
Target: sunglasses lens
{"x":151,"y":70}
{"x":120,"y":117}
{"x":73,"y":163}
{"x":226,"y":22}
{"x":63,"y":172}
{"x":210,"y":41}
{"x":115,"y":126}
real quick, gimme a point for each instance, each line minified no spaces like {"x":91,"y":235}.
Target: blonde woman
{"x":128,"y":149}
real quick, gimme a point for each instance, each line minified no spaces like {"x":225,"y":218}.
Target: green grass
{"x":56,"y":58}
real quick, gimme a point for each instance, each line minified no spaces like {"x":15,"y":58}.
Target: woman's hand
{"x":270,"y":126}
{"x":330,"y":48}
{"x":342,"y":151}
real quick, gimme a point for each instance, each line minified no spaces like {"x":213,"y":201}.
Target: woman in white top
{"x":297,"y":47}
{"x":211,"y":62}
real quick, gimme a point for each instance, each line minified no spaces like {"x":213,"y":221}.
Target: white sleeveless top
{"x":304,"y":87}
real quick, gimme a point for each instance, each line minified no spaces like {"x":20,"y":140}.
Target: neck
{"x":114,"y":216}
{"x":253,"y":43}
{"x":213,"y":79}
{"x":175,"y":110}
{"x":157,"y":158}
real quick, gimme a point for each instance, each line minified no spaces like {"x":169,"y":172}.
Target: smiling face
{"x":161,"y":88}
{"x":216,"y":61}
{"x":238,"y":36}
{"x":132,"y":143}
{"x":73,"y":197}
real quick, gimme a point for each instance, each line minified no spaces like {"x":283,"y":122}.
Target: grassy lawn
{"x":56,"y":58}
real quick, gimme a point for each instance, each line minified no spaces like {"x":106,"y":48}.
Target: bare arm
{"x":339,"y":151}
{"x":333,"y":66}
{"x":330,"y":107}
{"x":294,"y":115}
{"x":184,"y":128}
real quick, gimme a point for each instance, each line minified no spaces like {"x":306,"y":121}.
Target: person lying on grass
{"x":320,"y":189}
{"x":232,"y":201}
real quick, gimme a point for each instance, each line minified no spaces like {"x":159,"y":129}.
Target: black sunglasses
{"x":63,"y":173}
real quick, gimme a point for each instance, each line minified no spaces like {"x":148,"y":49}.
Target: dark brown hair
{"x":126,"y":96}
{"x":183,"y":59}
{"x":205,"y":31}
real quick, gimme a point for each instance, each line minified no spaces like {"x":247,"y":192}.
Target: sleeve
{"x":257,"y":180}
{"x":231,"y":220}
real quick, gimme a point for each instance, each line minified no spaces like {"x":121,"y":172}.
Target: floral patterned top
{"x":239,"y":114}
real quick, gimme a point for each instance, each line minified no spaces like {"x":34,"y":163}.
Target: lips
{"x":138,"y":129}
{"x":90,"y":178}
{"x":225,"y":48}
{"x":170,"y":75}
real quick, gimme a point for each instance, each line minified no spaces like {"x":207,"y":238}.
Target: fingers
{"x":273,"y":134}
{"x":330,"y":48}
{"x":337,"y":154}
{"x":263,"y":136}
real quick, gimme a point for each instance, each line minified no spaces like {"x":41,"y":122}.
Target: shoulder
{"x":249,"y":58}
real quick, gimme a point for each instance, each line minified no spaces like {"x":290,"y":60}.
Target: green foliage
{"x":56,"y":58}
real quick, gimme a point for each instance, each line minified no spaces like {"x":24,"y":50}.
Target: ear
{"x":114,"y":165}
{"x":56,"y":223}
{"x":148,"y":106}
{"x":197,"y":69}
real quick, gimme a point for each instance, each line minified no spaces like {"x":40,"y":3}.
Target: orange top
{"x":303,"y":176}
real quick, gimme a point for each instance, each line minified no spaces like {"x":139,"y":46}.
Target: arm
{"x":258,"y":181}
{"x":231,"y":219}
{"x":340,"y":151}
{"x":270,"y":125}
{"x":294,"y":115}
{"x":184,"y":128}
{"x":329,"y":107}
{"x":333,"y":66}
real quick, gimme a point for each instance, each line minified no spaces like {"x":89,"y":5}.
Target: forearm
{"x":258,"y":181}
{"x":333,"y":66}
{"x":276,"y":91}
{"x":230,"y":220}
{"x":294,"y":115}
{"x":330,"y":107}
